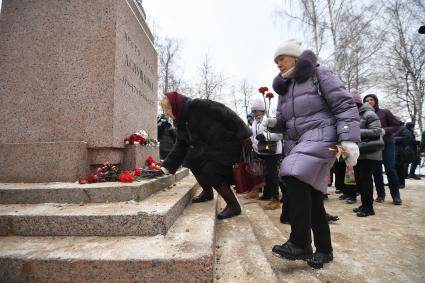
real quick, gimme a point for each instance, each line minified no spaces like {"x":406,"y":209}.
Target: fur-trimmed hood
{"x":303,"y":70}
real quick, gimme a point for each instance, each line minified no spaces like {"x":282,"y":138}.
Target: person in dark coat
{"x":166,"y":136}
{"x":390,"y":124}
{"x":314,"y":113}
{"x":209,"y":138}
{"x":415,"y":145}
{"x":400,"y":139}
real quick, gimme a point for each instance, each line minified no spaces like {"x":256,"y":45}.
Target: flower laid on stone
{"x":108,"y":172}
{"x":141,"y":137}
{"x":126,"y":177}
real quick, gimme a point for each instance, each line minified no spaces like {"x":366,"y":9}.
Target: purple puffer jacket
{"x":312,"y":122}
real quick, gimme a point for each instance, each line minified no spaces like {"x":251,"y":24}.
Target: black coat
{"x":207,"y":130}
{"x":166,"y":137}
{"x":406,"y":147}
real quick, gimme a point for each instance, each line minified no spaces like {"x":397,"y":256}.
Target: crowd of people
{"x":320,"y":130}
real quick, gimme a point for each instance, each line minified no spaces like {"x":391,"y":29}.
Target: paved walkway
{"x":387,"y":247}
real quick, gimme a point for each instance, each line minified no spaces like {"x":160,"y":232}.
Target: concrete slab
{"x":184,"y":254}
{"x":386,"y":247}
{"x":268,"y":235}
{"x":151,"y":216}
{"x":59,"y":192}
{"x":239,"y":257}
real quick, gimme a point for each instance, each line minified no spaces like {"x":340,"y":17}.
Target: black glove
{"x":260,"y":137}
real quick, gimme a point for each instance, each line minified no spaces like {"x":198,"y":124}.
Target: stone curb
{"x":87,"y":193}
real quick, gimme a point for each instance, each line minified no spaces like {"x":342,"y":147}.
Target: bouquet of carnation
{"x":141,"y":137}
{"x":107,"y":172}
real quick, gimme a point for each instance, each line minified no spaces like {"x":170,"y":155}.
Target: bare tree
{"x":345,"y":30}
{"x":310,"y":17}
{"x":246,"y":93}
{"x":168,"y":77}
{"x":405,"y":60}
{"x":211,"y":83}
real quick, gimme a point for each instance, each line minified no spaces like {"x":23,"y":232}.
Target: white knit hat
{"x":291,"y":47}
{"x":257,"y":104}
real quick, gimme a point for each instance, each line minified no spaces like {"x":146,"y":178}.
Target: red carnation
{"x":137,"y":171}
{"x":91,"y":178}
{"x":149,"y":160}
{"x":263,"y":89}
{"x":126,"y":177}
{"x":81,"y":181}
{"x":269,"y":95}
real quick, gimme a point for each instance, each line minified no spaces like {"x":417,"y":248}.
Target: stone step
{"x":239,"y":257}
{"x":152,"y":216}
{"x":87,"y":193}
{"x":269,"y":235}
{"x":184,"y":254}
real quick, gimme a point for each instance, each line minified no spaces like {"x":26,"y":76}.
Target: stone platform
{"x":160,"y":238}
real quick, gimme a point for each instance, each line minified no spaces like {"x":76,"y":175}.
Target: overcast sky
{"x":239,"y":36}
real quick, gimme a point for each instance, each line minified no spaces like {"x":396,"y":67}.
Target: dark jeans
{"x":348,"y":190}
{"x":388,"y":155}
{"x":363,"y":172}
{"x":401,"y":173}
{"x":271,"y":171}
{"x":307,"y":212}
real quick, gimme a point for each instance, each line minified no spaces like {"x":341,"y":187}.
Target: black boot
{"x":318,"y":259}
{"x":290,"y":251}
{"x":332,"y":218}
{"x":232,"y":205}
{"x":365,"y":212}
{"x":207,"y":192}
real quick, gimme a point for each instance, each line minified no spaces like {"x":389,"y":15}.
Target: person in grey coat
{"x":370,"y":129}
{"x":315,"y":113}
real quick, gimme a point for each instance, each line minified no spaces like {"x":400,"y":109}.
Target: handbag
{"x":371,"y":145}
{"x":268,"y":147}
{"x":248,"y":174}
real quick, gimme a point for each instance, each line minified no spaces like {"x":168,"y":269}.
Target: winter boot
{"x":290,"y":251}
{"x":273,"y":204}
{"x":318,"y":259}
{"x":207,"y":192}
{"x":254,"y":194}
{"x":232,"y":205}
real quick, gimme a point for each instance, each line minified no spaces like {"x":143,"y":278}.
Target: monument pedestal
{"x":77,"y":78}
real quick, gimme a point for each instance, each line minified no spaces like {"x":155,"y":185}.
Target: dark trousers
{"x":388,"y":156}
{"x":363,"y":172}
{"x":401,"y":173}
{"x":348,"y":190}
{"x":271,"y":171}
{"x":307,"y":212}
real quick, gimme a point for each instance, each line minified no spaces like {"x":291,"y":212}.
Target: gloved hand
{"x":247,"y":142}
{"x":260,"y":137}
{"x":269,"y":122}
{"x":165,"y":170}
{"x":353,"y":152}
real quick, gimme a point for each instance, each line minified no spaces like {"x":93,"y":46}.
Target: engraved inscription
{"x":138,"y":71}
{"x":132,"y":88}
{"x":136,"y":50}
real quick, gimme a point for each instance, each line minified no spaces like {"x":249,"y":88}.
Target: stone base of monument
{"x":162,"y":238}
{"x":64,"y":161}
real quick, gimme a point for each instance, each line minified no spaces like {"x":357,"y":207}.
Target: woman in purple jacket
{"x":315,"y":113}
